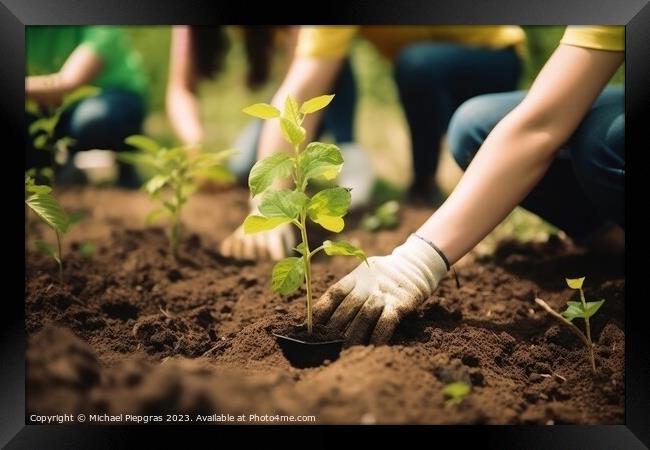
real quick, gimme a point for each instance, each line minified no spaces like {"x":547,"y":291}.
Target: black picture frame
{"x":16,"y":14}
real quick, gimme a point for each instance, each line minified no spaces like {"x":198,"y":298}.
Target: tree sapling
{"x":315,"y":161}
{"x":39,"y":199}
{"x":44,"y":128}
{"x":175,"y":175}
{"x":582,"y":309}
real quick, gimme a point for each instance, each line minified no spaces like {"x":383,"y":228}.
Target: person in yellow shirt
{"x":436,"y":68}
{"x":564,"y":116}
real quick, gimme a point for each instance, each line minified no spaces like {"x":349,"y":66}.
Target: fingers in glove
{"x":364,"y":322}
{"x":385,"y":326}
{"x":261,"y":249}
{"x":226,"y":247}
{"x":346,"y":311}
{"x":332,"y":298}
{"x":248,"y":247}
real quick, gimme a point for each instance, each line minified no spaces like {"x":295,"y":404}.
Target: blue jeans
{"x":338,"y":120}
{"x":583,"y":190}
{"x":100,"y":122}
{"x":433,"y":79}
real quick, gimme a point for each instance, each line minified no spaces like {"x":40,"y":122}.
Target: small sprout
{"x":316,"y":161}
{"x":385,"y":217}
{"x":583,"y":310}
{"x":87,"y":250}
{"x":456,"y":392}
{"x":39,"y":199}
{"x":43,"y":129}
{"x":175,"y":177}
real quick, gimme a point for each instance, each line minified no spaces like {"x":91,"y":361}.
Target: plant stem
{"x":60,"y":260}
{"x":588,"y":329}
{"x":307,"y":260}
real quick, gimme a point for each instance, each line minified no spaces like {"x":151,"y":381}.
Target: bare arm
{"x":517,"y":153}
{"x":82,"y":67}
{"x":181,"y":100}
{"x":306,"y":78}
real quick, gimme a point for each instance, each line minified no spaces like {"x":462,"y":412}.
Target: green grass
{"x":380,"y":123}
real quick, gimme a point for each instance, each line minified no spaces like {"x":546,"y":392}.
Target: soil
{"x":134,"y":331}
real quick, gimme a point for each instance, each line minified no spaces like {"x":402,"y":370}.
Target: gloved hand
{"x":368,"y":303}
{"x":274,"y":244}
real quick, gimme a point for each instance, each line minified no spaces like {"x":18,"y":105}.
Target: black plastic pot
{"x":303,"y":354}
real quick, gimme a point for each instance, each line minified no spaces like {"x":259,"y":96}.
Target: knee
{"x":468,"y":128}
{"x":597,"y":153}
{"x":87,"y":117}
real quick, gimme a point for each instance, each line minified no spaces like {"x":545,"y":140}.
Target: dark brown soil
{"x":135,"y":331}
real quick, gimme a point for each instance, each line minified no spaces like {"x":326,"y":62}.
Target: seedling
{"x":44,"y":129}
{"x":39,"y":198}
{"x":456,"y":392}
{"x":175,"y":175}
{"x":385,"y":217}
{"x":315,"y":161}
{"x":582,"y":309}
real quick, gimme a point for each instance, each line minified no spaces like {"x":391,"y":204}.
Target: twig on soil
{"x":206,"y":353}
{"x":564,"y":321}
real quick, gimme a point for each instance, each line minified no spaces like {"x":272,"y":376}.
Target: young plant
{"x":315,"y":161}
{"x":44,"y":128}
{"x":175,"y":173}
{"x":39,"y":199}
{"x":582,"y":309}
{"x":385,"y":217}
{"x":456,"y":392}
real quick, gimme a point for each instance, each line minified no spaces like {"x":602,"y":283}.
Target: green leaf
{"x":78,"y":95}
{"x":333,"y":248}
{"x":575,"y":283}
{"x":266,"y":170}
{"x":87,"y":250}
{"x":155,"y":184}
{"x":38,"y":189}
{"x":262,"y":111}
{"x":300,"y":248}
{"x":283,"y":203}
{"x":291,"y":110}
{"x":75,"y":217}
{"x":48,"y":209}
{"x":48,"y":249}
{"x":40,"y":141}
{"x":64,"y":143}
{"x":154,"y":215}
{"x":32,"y":107}
{"x":293,"y":133}
{"x":335,"y":224}
{"x":144,"y":143}
{"x":255,"y":224}
{"x":44,"y":124}
{"x":577,"y":310}
{"x":211,"y":159}
{"x":320,"y":161}
{"x":315,"y":104}
{"x":330,"y":202}
{"x":287,"y":275}
{"x":217,"y":173}
{"x":456,"y":391}
{"x":143,"y":160}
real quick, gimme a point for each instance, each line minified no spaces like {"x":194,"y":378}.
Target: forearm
{"x":47,"y":89}
{"x":183,"y":112}
{"x":510,"y":163}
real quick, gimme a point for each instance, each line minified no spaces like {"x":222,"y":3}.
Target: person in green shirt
{"x":59,"y":59}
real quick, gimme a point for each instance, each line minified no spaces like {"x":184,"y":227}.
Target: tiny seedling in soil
{"x":582,"y":309}
{"x":456,"y":392}
{"x":44,"y":130}
{"x":175,"y":176}
{"x":39,"y":199}
{"x":315,"y":161}
{"x":385,"y":217}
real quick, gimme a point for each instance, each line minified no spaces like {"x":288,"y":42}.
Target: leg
{"x":598,"y":155}
{"x":104,"y":122}
{"x":338,"y":117}
{"x":433,"y":79}
{"x":559,"y":197}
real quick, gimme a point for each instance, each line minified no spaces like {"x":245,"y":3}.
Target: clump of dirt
{"x":133,"y":330}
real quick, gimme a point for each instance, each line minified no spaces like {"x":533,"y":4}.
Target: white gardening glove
{"x":367,"y":304}
{"x":358,"y":174}
{"x":274,"y":244}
